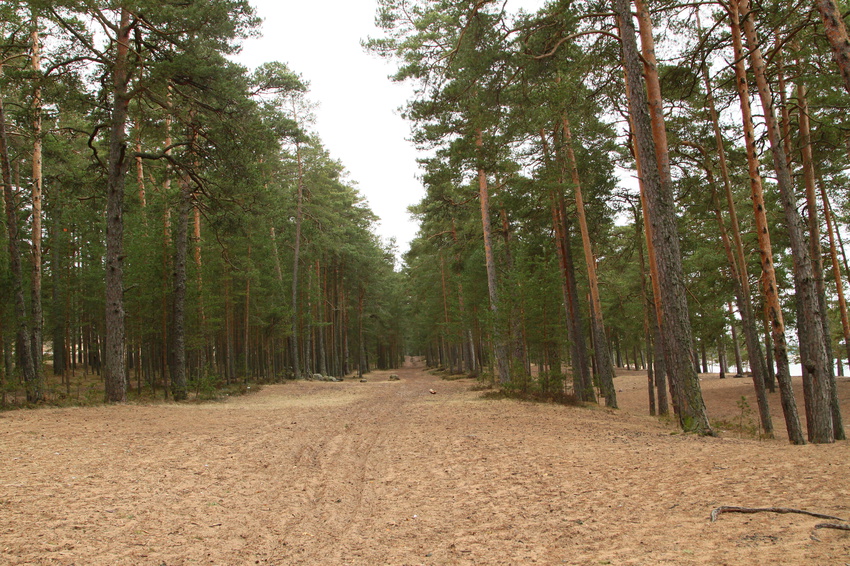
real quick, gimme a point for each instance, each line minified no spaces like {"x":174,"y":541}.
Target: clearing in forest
{"x":385,"y":472}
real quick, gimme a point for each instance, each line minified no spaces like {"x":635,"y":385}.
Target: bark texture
{"x":114,"y":370}
{"x":813,"y":351}
{"x":789,"y":405}
{"x":662,"y":217}
{"x":499,"y":347}
{"x":836,"y":33}
{"x":601,"y":352}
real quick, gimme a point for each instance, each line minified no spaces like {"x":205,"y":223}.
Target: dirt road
{"x":384,"y":472}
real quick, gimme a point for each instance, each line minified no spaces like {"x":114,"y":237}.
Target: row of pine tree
{"x":634,"y":184}
{"x":171,"y":222}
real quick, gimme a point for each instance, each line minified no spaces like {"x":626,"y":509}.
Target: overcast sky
{"x":358,"y":115}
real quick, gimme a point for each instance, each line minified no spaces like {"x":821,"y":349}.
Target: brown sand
{"x":386,"y":473}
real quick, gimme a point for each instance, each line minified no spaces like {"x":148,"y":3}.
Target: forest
{"x":172,"y":223}
{"x":608,"y":185}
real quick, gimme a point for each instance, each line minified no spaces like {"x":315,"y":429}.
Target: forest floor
{"x":385,"y":472}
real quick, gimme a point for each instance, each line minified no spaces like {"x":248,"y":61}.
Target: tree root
{"x":731,"y":509}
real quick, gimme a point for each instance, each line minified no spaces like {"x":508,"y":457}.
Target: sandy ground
{"x":384,"y":472}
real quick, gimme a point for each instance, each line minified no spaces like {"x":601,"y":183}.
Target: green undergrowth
{"x":86,"y":390}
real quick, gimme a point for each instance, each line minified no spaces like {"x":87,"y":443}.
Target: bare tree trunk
{"x":817,"y":253}
{"x":810,"y":322}
{"x":199,"y":282}
{"x":661,"y":212}
{"x":361,"y":347}
{"x":35,"y":390}
{"x":745,"y":308}
{"x":166,"y":244}
{"x":739,"y":258}
{"x":582,"y":382}
{"x":299,"y":213}
{"x":769,"y":276}
{"x":516,"y":355}
{"x":499,"y":347}
{"x":320,"y":327}
{"x":179,"y":382}
{"x":603,"y":356}
{"x":114,"y":366}
{"x":246,"y":337}
{"x":24,"y":345}
{"x":836,"y":269}
{"x":656,"y":383}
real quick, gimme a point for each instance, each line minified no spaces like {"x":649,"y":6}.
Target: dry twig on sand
{"x":732,"y":509}
{"x":832,"y":526}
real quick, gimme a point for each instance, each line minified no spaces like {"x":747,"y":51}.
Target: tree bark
{"x":499,"y":346}
{"x":813,"y":351}
{"x":35,"y":390}
{"x":836,"y":34}
{"x":24,"y":345}
{"x":114,"y":365}
{"x":817,"y":253}
{"x":603,"y":356}
{"x":656,"y":382}
{"x":299,"y":213}
{"x":789,"y":405}
{"x":744,"y":307}
{"x":582,"y":382}
{"x":179,"y":382}
{"x":836,"y":269}
{"x":199,"y":281}
{"x":739,"y":258}
{"x":661,"y":212}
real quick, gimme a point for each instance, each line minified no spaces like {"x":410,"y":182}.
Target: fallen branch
{"x":832,"y":526}
{"x":730,"y":509}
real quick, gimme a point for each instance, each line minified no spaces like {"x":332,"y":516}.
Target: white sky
{"x":357,"y":118}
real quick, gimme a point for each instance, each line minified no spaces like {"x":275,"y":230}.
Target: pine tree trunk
{"x":361,"y":347}
{"x":789,"y":406}
{"x":35,"y":390}
{"x":114,"y":366}
{"x":738,"y":260}
{"x":813,"y":351}
{"x":661,"y":213}
{"x":25,"y":355}
{"x":466,"y":335}
{"x":499,"y":347}
{"x":768,"y":346}
{"x":199,"y":284}
{"x":817,"y":252}
{"x":655,"y":360}
{"x":320,"y":326}
{"x":166,"y":245}
{"x":582,"y":378}
{"x":836,"y":34}
{"x":179,"y":382}
{"x":836,"y":269}
{"x":517,"y":356}
{"x":58,"y":252}
{"x":246,"y":337}
{"x":745,"y":308}
{"x":582,"y":383}
{"x":299,"y":204}
{"x":603,"y":355}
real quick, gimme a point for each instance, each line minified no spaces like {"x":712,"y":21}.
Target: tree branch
{"x":732,"y":509}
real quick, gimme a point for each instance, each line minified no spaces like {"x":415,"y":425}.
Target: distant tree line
{"x":170,"y":219}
